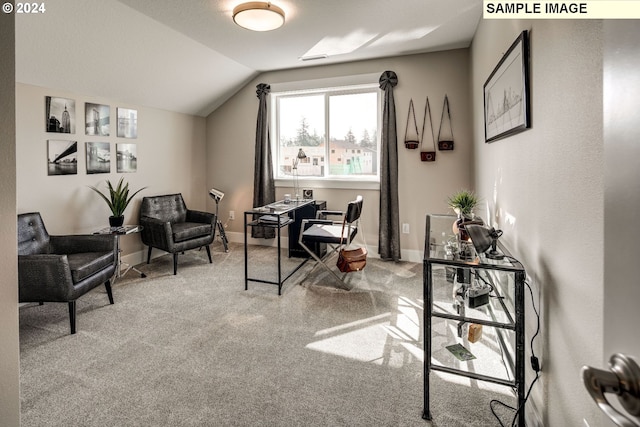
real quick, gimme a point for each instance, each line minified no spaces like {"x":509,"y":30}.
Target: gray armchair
{"x":62,"y":268}
{"x":168,"y":225}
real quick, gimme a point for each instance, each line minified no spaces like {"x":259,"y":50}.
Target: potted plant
{"x":463,"y":204}
{"x":118,"y":200}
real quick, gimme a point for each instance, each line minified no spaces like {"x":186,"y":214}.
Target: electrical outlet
{"x":232,"y":215}
{"x":405,"y":228}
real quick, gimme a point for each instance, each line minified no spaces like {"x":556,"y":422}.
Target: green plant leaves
{"x":118,"y":198}
{"x":464,"y":201}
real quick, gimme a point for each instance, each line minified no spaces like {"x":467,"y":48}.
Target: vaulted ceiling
{"x":188,"y":55}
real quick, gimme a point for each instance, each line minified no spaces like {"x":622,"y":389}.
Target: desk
{"x":118,"y":232}
{"x":276,"y":215}
{"x":450,"y":289}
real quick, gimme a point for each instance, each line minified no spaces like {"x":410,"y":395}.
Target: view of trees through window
{"x":349,"y":118}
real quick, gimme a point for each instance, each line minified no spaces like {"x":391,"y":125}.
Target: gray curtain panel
{"x":389,"y":231}
{"x":264,"y":190}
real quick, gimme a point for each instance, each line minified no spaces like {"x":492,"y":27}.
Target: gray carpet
{"x":196,"y":349}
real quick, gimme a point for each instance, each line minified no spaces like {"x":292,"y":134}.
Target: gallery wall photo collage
{"x":62,"y":153}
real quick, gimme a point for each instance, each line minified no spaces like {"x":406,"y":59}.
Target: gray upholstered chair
{"x":62,"y":268}
{"x":168,"y":225}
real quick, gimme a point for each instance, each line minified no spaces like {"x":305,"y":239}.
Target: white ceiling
{"x":188,"y":55}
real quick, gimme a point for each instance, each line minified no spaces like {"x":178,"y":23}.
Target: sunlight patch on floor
{"x":391,"y":339}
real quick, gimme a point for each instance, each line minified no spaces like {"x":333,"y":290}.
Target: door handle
{"x":622,"y":379}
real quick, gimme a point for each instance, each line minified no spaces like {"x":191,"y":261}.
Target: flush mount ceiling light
{"x":258,"y":16}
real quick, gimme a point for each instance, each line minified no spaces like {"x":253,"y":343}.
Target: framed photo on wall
{"x":98,"y":157}
{"x":126,"y":158}
{"x":127,"y":123}
{"x":60,"y":114}
{"x":97,"y":119}
{"x":62,"y":157}
{"x":506,"y":93}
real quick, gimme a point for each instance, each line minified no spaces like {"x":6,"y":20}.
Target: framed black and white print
{"x":98,"y":157}
{"x":127,"y":123}
{"x":126,"y":158}
{"x":506,"y":93}
{"x":97,"y":119}
{"x":60,"y":114}
{"x":62,"y":157}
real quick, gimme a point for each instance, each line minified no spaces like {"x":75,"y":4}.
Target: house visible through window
{"x":338,"y":124}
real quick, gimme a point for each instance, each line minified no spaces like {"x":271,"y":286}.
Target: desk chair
{"x":332,"y":233}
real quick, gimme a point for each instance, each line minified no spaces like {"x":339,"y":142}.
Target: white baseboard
{"x":236,"y":237}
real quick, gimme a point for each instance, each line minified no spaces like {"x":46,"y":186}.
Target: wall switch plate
{"x":405,"y":228}
{"x":232,"y":214}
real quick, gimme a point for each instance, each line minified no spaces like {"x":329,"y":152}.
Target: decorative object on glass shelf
{"x":118,"y":200}
{"x":296,"y":185}
{"x":307,"y":194}
{"x":258,"y":16}
{"x":485,"y":240}
{"x":463,"y":204}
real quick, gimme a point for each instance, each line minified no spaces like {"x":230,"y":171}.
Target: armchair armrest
{"x":200,"y":216}
{"x":44,"y":277}
{"x":78,"y":243}
{"x":156,"y":233}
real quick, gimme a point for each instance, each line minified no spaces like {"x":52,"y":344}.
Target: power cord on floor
{"x":535,"y":365}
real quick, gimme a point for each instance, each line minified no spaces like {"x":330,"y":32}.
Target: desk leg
{"x":427,"y":293}
{"x":119,"y":268}
{"x":246,"y":268}
{"x":279,"y":265}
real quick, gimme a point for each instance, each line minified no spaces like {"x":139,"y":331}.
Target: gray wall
{"x":9,"y":346}
{"x":171,"y":159}
{"x":544,"y":188}
{"x":424,"y":187}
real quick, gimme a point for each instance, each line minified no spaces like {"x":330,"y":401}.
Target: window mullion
{"x":327,"y":153}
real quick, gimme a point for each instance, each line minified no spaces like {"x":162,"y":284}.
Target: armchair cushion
{"x":190,"y":230}
{"x":87,"y":264}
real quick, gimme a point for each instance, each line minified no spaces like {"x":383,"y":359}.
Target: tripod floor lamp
{"x":217,"y":195}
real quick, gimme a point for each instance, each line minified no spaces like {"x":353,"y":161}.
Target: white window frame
{"x":341,"y":85}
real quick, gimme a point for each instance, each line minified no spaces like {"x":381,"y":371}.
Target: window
{"x":338,"y":124}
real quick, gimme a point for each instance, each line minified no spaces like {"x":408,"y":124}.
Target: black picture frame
{"x":506,"y":93}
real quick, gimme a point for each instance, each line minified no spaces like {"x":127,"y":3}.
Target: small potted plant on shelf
{"x":463,"y":204}
{"x":118,"y":200}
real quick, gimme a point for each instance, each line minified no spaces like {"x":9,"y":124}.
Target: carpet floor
{"x":197,"y":349}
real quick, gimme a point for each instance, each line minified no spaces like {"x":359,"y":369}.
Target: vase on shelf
{"x":459,"y":226}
